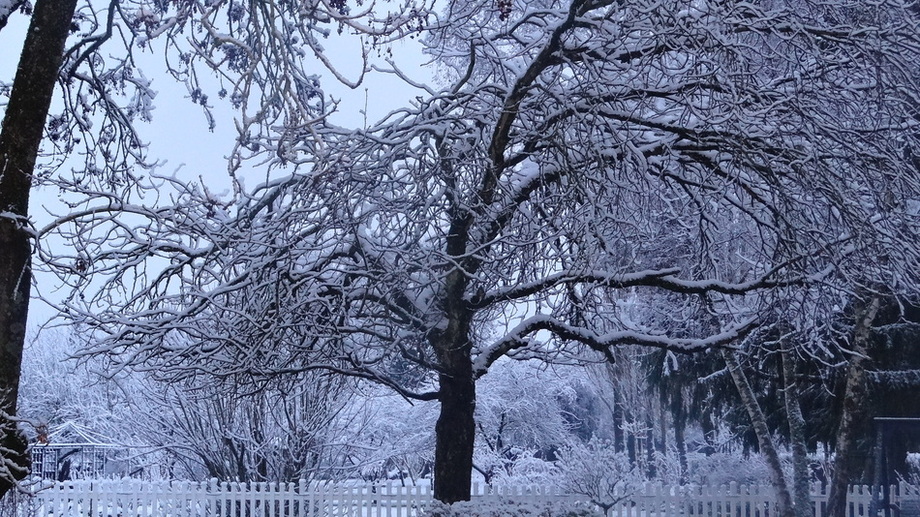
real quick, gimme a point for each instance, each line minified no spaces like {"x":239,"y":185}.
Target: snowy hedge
{"x":507,"y":508}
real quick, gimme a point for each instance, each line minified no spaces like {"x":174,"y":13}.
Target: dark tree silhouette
{"x":20,"y":138}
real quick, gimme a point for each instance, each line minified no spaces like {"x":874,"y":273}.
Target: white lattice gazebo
{"x":73,"y":451}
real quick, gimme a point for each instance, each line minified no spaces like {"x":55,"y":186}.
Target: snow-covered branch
{"x":523,"y":335}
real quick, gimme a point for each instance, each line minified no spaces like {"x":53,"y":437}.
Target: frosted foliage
{"x":913,"y":474}
{"x":278,"y":433}
{"x":723,"y":468}
{"x":510,"y":509}
{"x":55,"y":391}
{"x":381,"y":436}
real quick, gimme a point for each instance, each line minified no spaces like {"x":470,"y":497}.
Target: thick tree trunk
{"x":854,"y":406}
{"x":784,"y":507}
{"x":800,"y":476}
{"x":455,"y":431}
{"x":20,"y":137}
{"x":631,"y":443}
{"x":663,"y":429}
{"x":455,"y":435}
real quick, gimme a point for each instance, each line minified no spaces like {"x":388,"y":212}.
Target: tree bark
{"x":651,"y":468}
{"x":680,"y":426}
{"x":631,"y":444}
{"x":455,"y":436}
{"x":854,"y":404}
{"x":20,"y":137}
{"x":455,"y":430}
{"x":619,"y":441}
{"x":784,"y":507}
{"x":800,"y":481}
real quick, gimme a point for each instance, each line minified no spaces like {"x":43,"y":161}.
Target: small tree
{"x":521,"y":422}
{"x":596,"y":470}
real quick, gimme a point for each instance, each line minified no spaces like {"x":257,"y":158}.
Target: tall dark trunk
{"x":455,"y":434}
{"x":663,"y":429}
{"x":800,"y":477}
{"x":20,"y":137}
{"x":619,"y":443}
{"x":679,"y":414}
{"x":784,"y":506}
{"x":631,"y":443}
{"x":455,"y":431}
{"x":854,"y":407}
{"x":652,"y":468}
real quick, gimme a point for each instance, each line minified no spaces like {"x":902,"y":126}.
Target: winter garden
{"x":624,"y":257}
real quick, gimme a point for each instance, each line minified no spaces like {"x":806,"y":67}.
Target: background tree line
{"x":650,"y":415}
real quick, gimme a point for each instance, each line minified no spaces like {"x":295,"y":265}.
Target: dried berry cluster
{"x":504,"y":9}
{"x":338,"y":5}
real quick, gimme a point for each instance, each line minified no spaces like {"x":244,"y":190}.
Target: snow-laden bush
{"x":598,"y":471}
{"x":723,"y":468}
{"x":511,"y":508}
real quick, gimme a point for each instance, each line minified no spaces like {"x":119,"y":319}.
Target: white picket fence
{"x":124,"y":498}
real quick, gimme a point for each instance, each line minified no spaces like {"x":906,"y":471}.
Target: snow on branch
{"x":523,"y":336}
{"x":895,"y":379}
{"x":665,"y":279}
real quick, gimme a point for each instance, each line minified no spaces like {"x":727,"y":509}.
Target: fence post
{"x":306,"y":498}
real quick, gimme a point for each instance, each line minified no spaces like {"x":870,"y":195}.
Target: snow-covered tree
{"x":232,"y":432}
{"x":701,"y":157}
{"x":521,"y":422}
{"x":382,"y":436}
{"x":57,"y":390}
{"x":597,"y":470}
{"x":20,"y":135}
{"x":260,"y":58}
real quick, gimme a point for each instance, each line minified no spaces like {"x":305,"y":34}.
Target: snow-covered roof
{"x":72,"y":433}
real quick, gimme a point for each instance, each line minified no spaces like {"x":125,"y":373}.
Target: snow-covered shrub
{"x":529,"y":468}
{"x":722,"y":468}
{"x":667,"y":468}
{"x":912,"y":477}
{"x":520,"y":421}
{"x":54,"y":390}
{"x":597,"y":470}
{"x":381,"y":436}
{"x":913,"y":463}
{"x":511,"y":508}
